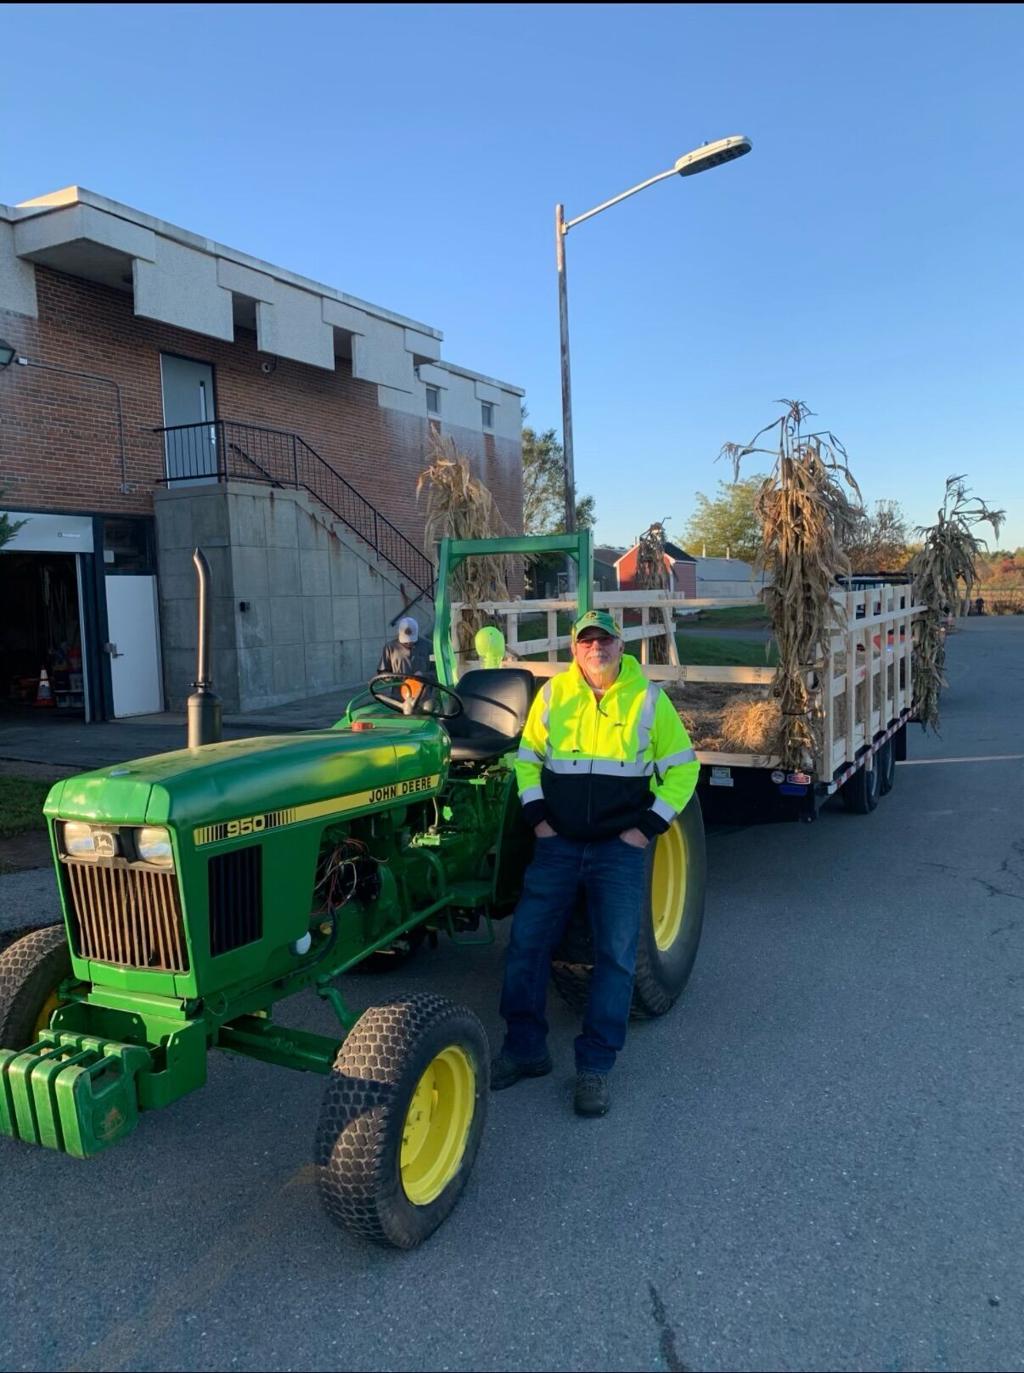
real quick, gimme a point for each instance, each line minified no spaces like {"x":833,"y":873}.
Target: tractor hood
{"x":220,"y":782}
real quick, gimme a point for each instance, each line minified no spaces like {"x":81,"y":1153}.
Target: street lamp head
{"x":7,"y":354}
{"x":713,"y":155}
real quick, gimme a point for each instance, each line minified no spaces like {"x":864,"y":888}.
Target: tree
{"x":881,"y":542}
{"x":8,"y":527}
{"x":544,"y":487}
{"x":727,"y":525}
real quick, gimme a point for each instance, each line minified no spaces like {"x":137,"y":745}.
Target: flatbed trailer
{"x":863,"y":685}
{"x":864,"y":692}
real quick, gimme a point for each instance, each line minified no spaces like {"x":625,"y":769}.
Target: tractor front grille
{"x":127,"y":914}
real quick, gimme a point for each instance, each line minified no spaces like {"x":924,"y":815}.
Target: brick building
{"x":166,"y":391}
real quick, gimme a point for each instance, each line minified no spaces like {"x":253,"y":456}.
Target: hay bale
{"x":722,"y":718}
{"x":751,"y":726}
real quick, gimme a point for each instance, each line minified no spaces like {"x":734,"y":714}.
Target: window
{"x":487,"y":413}
{"x":128,"y":545}
{"x":433,"y":400}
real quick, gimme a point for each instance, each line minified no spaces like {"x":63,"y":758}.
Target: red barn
{"x":682,"y":569}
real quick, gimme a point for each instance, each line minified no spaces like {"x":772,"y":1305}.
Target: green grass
{"x":701,"y":651}
{"x":21,"y":805}
{"x":536,"y":626}
{"x":733,"y":617}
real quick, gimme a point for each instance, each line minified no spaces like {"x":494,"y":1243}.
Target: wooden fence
{"x":862,"y":682}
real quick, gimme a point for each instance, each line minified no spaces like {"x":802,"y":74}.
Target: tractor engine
{"x":194,"y":874}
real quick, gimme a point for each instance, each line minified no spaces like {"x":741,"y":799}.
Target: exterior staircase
{"x":224,"y":450}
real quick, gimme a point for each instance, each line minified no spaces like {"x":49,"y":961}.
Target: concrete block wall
{"x":318,"y":603}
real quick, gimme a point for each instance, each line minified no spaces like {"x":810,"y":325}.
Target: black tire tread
{"x":30,"y":970}
{"x":860,"y":792}
{"x":886,"y":762}
{"x":358,"y":1136}
{"x":572,"y":964}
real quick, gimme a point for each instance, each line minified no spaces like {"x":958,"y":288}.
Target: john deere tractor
{"x":201,"y":887}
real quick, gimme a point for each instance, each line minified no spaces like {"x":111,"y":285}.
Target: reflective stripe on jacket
{"x":595,"y":768}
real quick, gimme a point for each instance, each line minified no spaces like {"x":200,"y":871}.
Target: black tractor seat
{"x":496,"y":702}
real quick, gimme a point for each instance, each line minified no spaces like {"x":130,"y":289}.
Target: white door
{"x":191,"y":451}
{"x":134,"y":645}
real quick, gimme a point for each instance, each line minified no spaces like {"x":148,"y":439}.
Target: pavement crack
{"x":993,"y":890}
{"x":666,"y":1334}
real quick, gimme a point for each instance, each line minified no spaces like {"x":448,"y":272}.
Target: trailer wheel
{"x":860,"y":792}
{"x":31,"y":971}
{"x":885,"y":762}
{"x":671,"y":921}
{"x":402,"y":1117}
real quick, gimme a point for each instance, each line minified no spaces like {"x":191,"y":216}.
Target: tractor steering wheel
{"x":385,"y":681}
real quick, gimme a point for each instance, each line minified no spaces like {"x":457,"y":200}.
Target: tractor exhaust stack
{"x":203,"y":705}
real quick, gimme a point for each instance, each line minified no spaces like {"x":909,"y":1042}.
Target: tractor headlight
{"x":86,"y":841}
{"x":153,"y":843}
{"x":79,"y":840}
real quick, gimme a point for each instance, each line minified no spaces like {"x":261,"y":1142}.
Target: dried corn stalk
{"x":807,"y":520}
{"x":459,"y":506}
{"x":652,"y":575}
{"x":945,"y":563}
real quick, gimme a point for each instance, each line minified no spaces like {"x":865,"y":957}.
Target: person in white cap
{"x":407,"y":653}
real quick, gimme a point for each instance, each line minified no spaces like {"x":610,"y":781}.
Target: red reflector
{"x":360,"y":725}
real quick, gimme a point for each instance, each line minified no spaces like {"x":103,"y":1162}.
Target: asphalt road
{"x":813,"y":1162}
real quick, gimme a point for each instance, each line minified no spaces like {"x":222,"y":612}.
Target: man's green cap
{"x":598,"y":619}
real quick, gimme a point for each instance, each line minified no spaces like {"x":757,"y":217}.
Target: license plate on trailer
{"x":721,"y":777}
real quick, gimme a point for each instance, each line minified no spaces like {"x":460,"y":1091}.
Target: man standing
{"x":604,"y":767}
{"x":406,"y":654}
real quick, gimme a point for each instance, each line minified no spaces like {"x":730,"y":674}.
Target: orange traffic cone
{"x":44,"y":696}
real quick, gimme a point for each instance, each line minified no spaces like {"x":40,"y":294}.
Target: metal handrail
{"x":206,"y":450}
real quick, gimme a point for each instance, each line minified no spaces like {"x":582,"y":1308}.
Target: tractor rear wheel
{"x":31,"y":971}
{"x":671,"y":920}
{"x":402,"y":1117}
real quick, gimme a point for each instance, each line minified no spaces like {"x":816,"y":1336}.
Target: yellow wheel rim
{"x":43,"y":1021}
{"x":668,"y":887}
{"x":437,"y":1126}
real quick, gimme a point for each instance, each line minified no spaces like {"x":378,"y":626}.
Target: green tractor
{"x":202,"y":886}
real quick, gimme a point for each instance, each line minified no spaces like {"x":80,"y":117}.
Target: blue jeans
{"x":612,"y":874}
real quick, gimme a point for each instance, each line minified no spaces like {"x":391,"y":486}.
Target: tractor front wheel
{"x":671,"y":920}
{"x":402,"y":1117}
{"x":31,"y":971}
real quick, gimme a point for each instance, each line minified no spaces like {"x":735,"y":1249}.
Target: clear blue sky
{"x":865,"y":258}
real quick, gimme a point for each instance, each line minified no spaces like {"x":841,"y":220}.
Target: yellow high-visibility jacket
{"x":593,"y":769}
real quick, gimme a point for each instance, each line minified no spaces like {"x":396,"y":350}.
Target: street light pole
{"x":700,"y":160}
{"x":563,"y":324}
